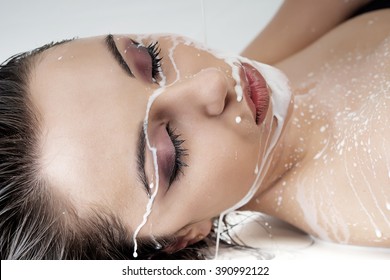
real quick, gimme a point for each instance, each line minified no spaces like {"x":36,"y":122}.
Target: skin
{"x":297,"y":24}
{"x":335,"y":183}
{"x":91,"y":111}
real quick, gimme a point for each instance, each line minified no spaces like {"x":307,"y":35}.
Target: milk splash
{"x":155,"y":185}
{"x":280,"y":99}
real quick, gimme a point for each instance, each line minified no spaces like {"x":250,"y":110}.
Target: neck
{"x":294,"y":145}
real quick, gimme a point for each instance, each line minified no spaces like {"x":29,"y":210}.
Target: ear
{"x":189,"y":235}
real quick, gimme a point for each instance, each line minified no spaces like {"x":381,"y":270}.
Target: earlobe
{"x":189,"y":235}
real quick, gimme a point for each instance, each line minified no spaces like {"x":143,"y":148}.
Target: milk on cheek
{"x":280,"y":99}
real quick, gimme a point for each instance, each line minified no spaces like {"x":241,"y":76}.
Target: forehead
{"x":89,"y":118}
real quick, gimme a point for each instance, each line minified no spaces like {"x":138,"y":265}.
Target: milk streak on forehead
{"x":280,"y":98}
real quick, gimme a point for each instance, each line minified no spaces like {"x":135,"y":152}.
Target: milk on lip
{"x":280,"y":98}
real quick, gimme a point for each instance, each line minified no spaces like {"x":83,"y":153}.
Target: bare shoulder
{"x":340,"y":192}
{"x":361,"y":36}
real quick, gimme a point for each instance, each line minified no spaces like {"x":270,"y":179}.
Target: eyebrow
{"x":141,"y":142}
{"x":112,"y":48}
{"x":141,"y":148}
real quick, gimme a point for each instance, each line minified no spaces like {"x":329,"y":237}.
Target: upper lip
{"x":247,"y":93}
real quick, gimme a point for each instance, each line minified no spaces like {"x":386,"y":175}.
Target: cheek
{"x":224,"y":172}
{"x":236,"y":172}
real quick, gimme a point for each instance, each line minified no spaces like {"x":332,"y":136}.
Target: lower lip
{"x":257,"y":92}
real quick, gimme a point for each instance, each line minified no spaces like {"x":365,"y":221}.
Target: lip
{"x":255,"y":91}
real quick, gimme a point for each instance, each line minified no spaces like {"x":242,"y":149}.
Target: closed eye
{"x":180,"y":153}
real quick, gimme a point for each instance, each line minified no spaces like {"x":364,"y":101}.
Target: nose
{"x":204,"y":94}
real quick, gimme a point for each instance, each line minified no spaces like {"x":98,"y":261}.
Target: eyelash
{"x":154,"y":52}
{"x":180,"y":153}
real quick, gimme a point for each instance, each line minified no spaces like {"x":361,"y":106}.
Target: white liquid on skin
{"x":152,"y":149}
{"x":263,"y":166}
{"x":280,"y":98}
{"x":156,"y":175}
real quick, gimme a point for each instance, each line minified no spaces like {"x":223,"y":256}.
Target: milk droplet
{"x":238,"y":119}
{"x":378,"y":233}
{"x":59,"y":58}
{"x":279,"y":201}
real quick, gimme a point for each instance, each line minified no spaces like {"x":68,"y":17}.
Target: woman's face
{"x":93,"y":107}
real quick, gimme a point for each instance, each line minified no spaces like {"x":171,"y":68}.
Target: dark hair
{"x":35,"y":221}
